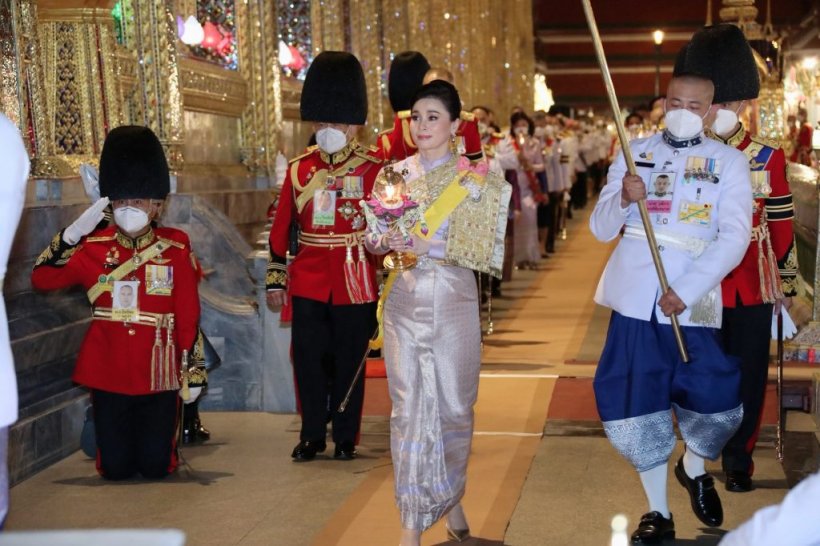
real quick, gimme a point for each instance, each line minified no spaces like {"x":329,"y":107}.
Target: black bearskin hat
{"x":730,"y":60}
{"x":406,"y":75}
{"x":133,"y":165}
{"x":334,"y":90}
{"x":687,"y":63}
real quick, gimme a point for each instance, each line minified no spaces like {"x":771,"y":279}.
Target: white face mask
{"x":521,"y":131}
{"x":330,"y":140}
{"x":725,"y":121}
{"x":549,"y":130}
{"x":131,"y":220}
{"x":684,"y":124}
{"x":540,"y":132}
{"x":482,"y":128}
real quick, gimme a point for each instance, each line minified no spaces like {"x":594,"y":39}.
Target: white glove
{"x":194,"y":394}
{"x":86,"y":223}
{"x":91,"y":181}
{"x":789,"y":329}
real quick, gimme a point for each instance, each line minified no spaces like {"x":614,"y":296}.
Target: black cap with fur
{"x":133,"y":165}
{"x":334,"y":90}
{"x":722,"y":54}
{"x":406,"y":76}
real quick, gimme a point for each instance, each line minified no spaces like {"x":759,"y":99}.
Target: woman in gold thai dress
{"x":432,"y":336}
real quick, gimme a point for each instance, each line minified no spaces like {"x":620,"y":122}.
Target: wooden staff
{"x":781,"y":412}
{"x":630,"y":163}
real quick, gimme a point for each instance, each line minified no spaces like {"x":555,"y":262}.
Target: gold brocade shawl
{"x":477,"y":226}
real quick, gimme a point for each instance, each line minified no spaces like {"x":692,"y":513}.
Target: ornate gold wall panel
{"x":486,"y":44}
{"x":82,"y":96}
{"x":210,"y":88}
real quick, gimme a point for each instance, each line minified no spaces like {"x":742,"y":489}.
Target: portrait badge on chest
{"x":324,"y":208}
{"x":125,"y":301}
{"x":659,"y":197}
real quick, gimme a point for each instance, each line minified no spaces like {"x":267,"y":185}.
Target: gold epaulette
{"x":365,"y":151}
{"x":771,"y":143}
{"x":310,"y":150}
{"x":104,"y":239}
{"x":385,"y":132}
{"x":498,"y":135}
{"x":466,"y":116}
{"x":172,"y":242}
{"x":403,"y":114}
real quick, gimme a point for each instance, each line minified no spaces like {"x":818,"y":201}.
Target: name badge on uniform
{"x":159,"y":280}
{"x":702,"y":169}
{"x":760,"y":184}
{"x":698,"y":214}
{"x":353,"y":187}
{"x":125,"y":301}
{"x":659,"y":198}
{"x":324,"y":208}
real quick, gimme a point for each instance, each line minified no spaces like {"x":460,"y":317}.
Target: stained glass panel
{"x":294,"y":36}
{"x":218,"y":19}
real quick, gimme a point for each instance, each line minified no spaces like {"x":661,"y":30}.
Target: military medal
{"x":112,"y":258}
{"x":347,"y":210}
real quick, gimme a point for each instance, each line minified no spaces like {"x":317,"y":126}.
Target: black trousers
{"x":329,"y":342}
{"x":578,"y":192}
{"x":746,"y":332}
{"x":553,"y":218}
{"x":135,"y":434}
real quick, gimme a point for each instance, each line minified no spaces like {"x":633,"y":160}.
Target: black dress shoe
{"x":702,"y":495}
{"x":306,"y":450}
{"x":738,"y":482}
{"x":653,"y":529}
{"x":345,"y":451}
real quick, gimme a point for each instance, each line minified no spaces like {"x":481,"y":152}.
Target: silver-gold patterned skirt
{"x":432,"y":349}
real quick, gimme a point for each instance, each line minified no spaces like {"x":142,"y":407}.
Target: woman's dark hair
{"x":444,"y":92}
{"x":518,"y":116}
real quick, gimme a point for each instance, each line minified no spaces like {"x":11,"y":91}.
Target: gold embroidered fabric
{"x":139,"y":243}
{"x":57,"y":253}
{"x":477,"y":225}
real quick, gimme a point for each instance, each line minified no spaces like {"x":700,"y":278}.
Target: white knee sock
{"x":693,"y":464}
{"x":654,"y":485}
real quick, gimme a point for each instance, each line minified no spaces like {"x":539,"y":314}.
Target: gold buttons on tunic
{"x":131,"y":332}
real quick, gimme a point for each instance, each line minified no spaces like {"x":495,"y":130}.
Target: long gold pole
{"x":630,"y":163}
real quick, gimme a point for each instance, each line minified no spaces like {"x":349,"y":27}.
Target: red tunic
{"x":744,"y":280}
{"x":116,"y":356}
{"x":317,"y":271}
{"x":397,"y":143}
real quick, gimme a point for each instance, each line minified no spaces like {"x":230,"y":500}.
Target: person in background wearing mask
{"x":332,"y":280}
{"x":530,"y":163}
{"x":703,"y":229}
{"x":12,"y":197}
{"x":634,"y":126}
{"x":131,"y":356}
{"x":749,"y":298}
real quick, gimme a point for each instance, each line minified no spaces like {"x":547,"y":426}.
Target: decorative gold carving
{"x":210,"y":88}
{"x":93,"y":16}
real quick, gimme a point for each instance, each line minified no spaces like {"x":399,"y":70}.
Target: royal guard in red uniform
{"x":408,"y":72}
{"x":331,"y":281}
{"x":141,"y":281}
{"x":765,"y":279}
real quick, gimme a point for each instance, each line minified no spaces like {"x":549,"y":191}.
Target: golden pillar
{"x":259,"y":66}
{"x":156,"y":101}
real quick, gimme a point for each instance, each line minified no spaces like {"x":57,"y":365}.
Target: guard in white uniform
{"x":698,"y":196}
{"x":12,"y":195}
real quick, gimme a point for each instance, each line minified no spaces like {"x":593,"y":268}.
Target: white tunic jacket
{"x":703,"y":228}
{"x":13,"y":178}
